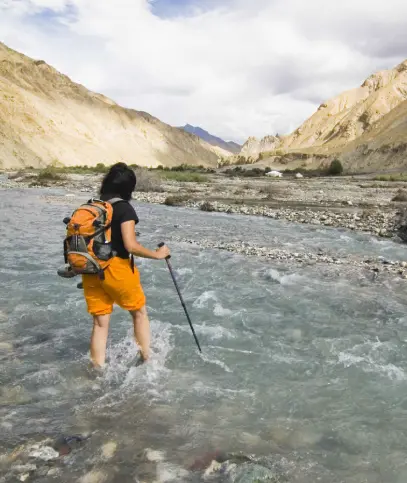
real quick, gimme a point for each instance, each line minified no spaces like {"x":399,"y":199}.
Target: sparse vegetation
{"x":314,"y":173}
{"x":176,"y":200}
{"x":84,"y":169}
{"x":335,"y":168}
{"x":99,"y":168}
{"x":50,"y":173}
{"x":185,"y":167}
{"x":207,"y":206}
{"x":246,"y":173}
{"x":18,"y":174}
{"x":272,"y":190}
{"x":401,"y":195}
{"x":391,"y":177}
{"x":148,"y":181}
{"x":185,"y":177}
{"x":375,"y":186}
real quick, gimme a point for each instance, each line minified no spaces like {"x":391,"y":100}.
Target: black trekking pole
{"x":180,"y":297}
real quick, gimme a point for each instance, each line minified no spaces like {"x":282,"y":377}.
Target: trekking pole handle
{"x":161,"y":245}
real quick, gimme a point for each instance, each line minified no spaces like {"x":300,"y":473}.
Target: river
{"x":304,"y":368}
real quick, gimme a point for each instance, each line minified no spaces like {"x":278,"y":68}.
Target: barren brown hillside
{"x":46,"y":118}
{"x":365,"y":127}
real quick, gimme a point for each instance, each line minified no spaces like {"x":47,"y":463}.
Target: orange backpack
{"x":88,"y":241}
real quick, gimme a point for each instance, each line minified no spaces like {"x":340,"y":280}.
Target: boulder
{"x":274,"y":174}
{"x":401,"y":225}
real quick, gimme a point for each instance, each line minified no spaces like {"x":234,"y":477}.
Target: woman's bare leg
{"x":98,"y":340}
{"x":142,"y":331}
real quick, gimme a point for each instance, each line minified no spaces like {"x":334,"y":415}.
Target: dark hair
{"x":120,"y":181}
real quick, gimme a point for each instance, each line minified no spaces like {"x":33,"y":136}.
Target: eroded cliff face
{"x":253,"y":146}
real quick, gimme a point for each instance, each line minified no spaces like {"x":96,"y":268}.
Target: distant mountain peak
{"x":230,"y":146}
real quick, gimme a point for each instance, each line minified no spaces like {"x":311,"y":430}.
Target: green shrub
{"x":175,"y":200}
{"x":50,"y":173}
{"x":148,"y":181}
{"x":272,"y":190}
{"x":18,"y":174}
{"x":101,"y":168}
{"x":391,"y":177}
{"x":185,"y":177}
{"x":206,"y":206}
{"x":246,"y":173}
{"x":184,"y":168}
{"x":335,"y":168}
{"x":401,"y":195}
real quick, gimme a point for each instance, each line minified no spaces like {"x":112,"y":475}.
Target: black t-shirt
{"x":122,"y":211}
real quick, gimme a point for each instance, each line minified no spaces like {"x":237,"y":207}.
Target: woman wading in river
{"x":121,"y":283}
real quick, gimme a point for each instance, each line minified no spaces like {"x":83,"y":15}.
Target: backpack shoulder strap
{"x":115,"y":200}
{"x":112,"y":201}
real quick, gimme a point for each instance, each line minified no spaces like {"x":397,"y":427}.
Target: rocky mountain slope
{"x":46,"y":118}
{"x":228,"y":146}
{"x":360,"y":126}
{"x":253,"y":146}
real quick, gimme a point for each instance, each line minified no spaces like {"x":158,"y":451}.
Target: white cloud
{"x":247,"y":67}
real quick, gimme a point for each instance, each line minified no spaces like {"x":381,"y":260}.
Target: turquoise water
{"x":305,"y":368}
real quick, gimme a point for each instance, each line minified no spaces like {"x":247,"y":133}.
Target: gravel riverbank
{"x":375,"y":265}
{"x":340,"y":210}
{"x":341,"y":204}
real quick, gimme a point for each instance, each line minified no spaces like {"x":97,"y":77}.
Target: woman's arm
{"x":135,"y":248}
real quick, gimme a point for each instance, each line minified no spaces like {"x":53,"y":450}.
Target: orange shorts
{"x":121,"y":286}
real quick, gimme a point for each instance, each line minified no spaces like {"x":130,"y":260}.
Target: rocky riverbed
{"x":363,"y":206}
{"x":375,"y":265}
{"x":359,"y":205}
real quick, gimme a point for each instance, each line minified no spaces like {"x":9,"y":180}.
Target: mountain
{"x":46,"y":118}
{"x":254,"y":146}
{"x":228,"y":146}
{"x":359,"y":126}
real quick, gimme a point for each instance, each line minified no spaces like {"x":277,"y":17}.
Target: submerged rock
{"x":207,"y":460}
{"x":401,"y":225}
{"x":6,"y":347}
{"x":66,"y":444}
{"x":109,"y":450}
{"x":94,"y":476}
{"x":10,"y":395}
{"x":45,"y":453}
{"x":154,"y":456}
{"x":305,"y":258}
{"x":242,"y":469}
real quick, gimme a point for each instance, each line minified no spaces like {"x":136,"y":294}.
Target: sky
{"x":236,"y":68}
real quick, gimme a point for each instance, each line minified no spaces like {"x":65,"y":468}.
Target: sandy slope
{"x":46,"y":118}
{"x":365,"y":127}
